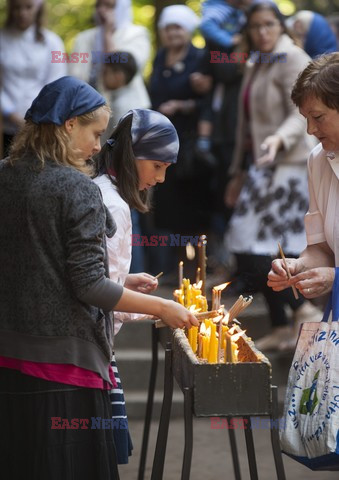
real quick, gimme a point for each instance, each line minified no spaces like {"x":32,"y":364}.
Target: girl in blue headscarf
{"x":135,"y":158}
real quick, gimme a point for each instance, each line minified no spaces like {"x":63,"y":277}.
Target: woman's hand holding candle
{"x":315,"y":282}
{"x":278,"y":277}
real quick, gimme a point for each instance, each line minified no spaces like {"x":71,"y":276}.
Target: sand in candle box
{"x":246,"y":350}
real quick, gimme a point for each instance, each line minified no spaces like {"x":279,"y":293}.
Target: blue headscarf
{"x":62,"y":99}
{"x":153,"y":136}
{"x":320,"y":38}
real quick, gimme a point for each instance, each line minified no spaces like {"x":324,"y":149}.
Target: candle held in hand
{"x":295,"y":293}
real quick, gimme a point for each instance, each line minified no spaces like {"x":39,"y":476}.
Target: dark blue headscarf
{"x":320,"y":38}
{"x":62,"y":99}
{"x":153,"y":136}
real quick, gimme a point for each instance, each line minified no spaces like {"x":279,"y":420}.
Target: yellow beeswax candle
{"x":205,"y":346}
{"x":199,"y":352}
{"x":208,"y":322}
{"x":194,"y":338}
{"x":234,"y":352}
{"x":186,"y":285}
{"x":213,"y":347}
{"x":189,"y":336}
{"x":181,"y":273}
{"x":199,"y":302}
{"x":195,"y":294}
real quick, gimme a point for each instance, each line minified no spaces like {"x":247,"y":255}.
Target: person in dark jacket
{"x":56,"y":329}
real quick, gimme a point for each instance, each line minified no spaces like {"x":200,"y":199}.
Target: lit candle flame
{"x":222,"y":286}
{"x":198,"y":285}
{"x":190,"y":252}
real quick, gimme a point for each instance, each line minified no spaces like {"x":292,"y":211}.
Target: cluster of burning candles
{"x":215,"y":340}
{"x":219,"y":335}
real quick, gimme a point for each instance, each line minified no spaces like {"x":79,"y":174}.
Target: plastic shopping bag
{"x":311,"y":412}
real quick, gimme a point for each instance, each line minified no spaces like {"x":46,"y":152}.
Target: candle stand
{"x":226,"y":390}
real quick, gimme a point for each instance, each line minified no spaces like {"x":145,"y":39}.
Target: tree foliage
{"x":68,"y":17}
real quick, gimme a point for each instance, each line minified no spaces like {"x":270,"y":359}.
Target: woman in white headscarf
{"x":114,"y":32}
{"x":173,"y":94}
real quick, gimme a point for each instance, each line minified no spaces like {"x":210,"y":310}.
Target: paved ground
{"x":211,"y":455}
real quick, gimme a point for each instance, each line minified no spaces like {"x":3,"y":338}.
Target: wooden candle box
{"x":223,"y":389}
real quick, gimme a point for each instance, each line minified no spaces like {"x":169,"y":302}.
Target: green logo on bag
{"x":309,"y":399}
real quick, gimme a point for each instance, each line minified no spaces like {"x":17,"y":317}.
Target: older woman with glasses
{"x":316,"y":95}
{"x":269,"y":188}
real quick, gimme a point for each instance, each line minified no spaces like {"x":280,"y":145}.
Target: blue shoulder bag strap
{"x":333,"y":302}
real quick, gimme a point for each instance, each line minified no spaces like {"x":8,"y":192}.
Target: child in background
{"x":222,"y":22}
{"x":134,"y":159}
{"x":119,"y":70}
{"x":220,"y":26}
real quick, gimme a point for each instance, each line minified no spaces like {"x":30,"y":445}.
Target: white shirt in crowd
{"x":25,"y":67}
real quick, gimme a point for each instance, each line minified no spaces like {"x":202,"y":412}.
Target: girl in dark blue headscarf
{"x":141,"y":148}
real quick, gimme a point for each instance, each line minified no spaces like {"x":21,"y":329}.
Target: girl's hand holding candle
{"x":141,"y":282}
{"x":175,"y":315}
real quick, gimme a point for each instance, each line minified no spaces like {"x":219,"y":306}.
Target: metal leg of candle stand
{"x":252,"y":463}
{"x":279,"y":465}
{"x":187,"y":461}
{"x":150,"y":402}
{"x":160,"y":449}
{"x":234,"y":452}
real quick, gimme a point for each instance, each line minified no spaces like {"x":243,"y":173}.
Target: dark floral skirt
{"x":270,"y":209}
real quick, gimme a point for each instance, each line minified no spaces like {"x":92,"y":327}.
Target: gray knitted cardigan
{"x":55,"y":296}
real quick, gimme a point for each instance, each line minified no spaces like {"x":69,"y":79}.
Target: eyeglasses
{"x":268,"y":26}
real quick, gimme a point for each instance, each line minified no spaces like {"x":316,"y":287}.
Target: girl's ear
{"x":70,"y":124}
